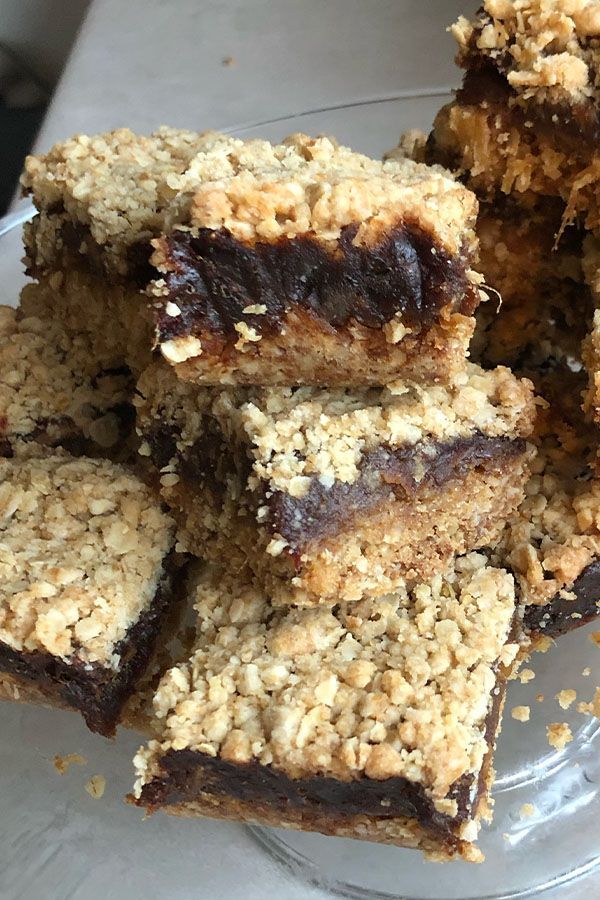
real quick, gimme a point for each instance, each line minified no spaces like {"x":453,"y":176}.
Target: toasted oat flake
{"x":559,"y":735}
{"x":593,"y":708}
{"x":63,"y":763}
{"x":566,"y":698}
{"x":96,"y":786}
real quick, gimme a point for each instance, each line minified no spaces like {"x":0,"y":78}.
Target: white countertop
{"x":146,"y":62}
{"x":142,"y":63}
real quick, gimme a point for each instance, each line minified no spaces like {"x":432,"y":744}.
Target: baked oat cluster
{"x":111,"y":539}
{"x":363,"y":483}
{"x":341,"y":692}
{"x":522,"y":134}
{"x":547,"y":49}
{"x":53,"y":394}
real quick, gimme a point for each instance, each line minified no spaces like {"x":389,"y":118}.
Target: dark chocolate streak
{"x":556,"y":617}
{"x":187,"y":774}
{"x":98,"y":692}
{"x":214,"y":277}
{"x":383,"y":473}
{"x":567,"y":126}
{"x":323,"y":512}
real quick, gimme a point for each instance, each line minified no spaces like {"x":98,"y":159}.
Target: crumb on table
{"x":566,"y":698}
{"x":63,"y":763}
{"x":96,"y":786}
{"x":559,"y":735}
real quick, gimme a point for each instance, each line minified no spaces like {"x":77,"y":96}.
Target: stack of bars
{"x":522,"y":133}
{"x":238,"y":389}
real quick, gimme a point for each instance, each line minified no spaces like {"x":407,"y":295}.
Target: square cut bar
{"x":374,"y":720}
{"x":334,"y":494}
{"x":172,"y":645}
{"x":247,"y":262}
{"x":552,"y":542}
{"x":87,"y":574}
{"x":53,"y":395}
{"x":527,"y":118}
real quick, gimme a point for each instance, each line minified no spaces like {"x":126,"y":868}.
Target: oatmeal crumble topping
{"x":127,"y":187}
{"x":294,"y":435}
{"x":47,"y":379}
{"x":592,"y":708}
{"x":566,"y":698}
{"x":398,"y":686}
{"x":83,"y":544}
{"x":559,"y":735}
{"x":548,"y":49}
{"x":555,"y":533}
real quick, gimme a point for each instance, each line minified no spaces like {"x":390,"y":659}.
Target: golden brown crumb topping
{"x":126,"y":188}
{"x":398,"y":686}
{"x":45,"y":379}
{"x":294,"y":435}
{"x":548,"y":48}
{"x":82,"y":549}
{"x":559,"y":735}
{"x":555,"y":533}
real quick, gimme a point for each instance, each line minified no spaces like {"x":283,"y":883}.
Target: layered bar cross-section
{"x":526,"y":120}
{"x":333,"y":494}
{"x":87,"y":575}
{"x":373,"y":720}
{"x":247,"y":262}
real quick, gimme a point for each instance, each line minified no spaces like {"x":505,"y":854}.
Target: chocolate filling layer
{"x":572,"y":128}
{"x":562,"y":615}
{"x":384,"y":473}
{"x":213,"y":277}
{"x":188,"y":774}
{"x":97,"y":691}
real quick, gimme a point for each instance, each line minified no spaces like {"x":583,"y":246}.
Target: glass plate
{"x":56,"y":842}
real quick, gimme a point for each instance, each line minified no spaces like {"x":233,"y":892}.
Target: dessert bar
{"x":87,"y":575}
{"x":526,"y":120}
{"x":552,"y":542}
{"x":52,"y":395}
{"x":334,"y":494}
{"x":247,"y":262}
{"x":372,"y":720}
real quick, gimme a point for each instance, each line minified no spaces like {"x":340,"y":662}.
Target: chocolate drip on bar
{"x":561,"y":614}
{"x":213,"y":277}
{"x":97,"y":691}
